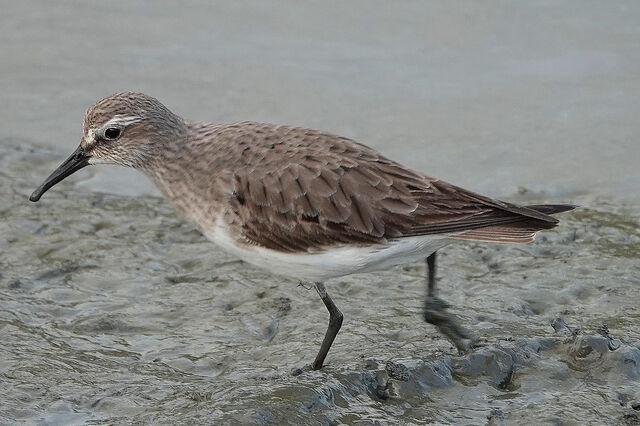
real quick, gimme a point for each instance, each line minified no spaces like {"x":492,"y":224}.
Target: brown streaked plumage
{"x":312,"y":190}
{"x":298,"y":201}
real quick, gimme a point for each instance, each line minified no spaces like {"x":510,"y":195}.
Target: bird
{"x":298,"y":202}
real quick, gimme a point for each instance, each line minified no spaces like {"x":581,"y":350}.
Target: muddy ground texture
{"x":112,"y":309}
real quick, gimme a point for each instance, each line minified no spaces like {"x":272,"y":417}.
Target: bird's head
{"x":127,"y":129}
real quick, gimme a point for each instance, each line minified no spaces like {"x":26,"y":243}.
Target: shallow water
{"x":491,"y":97}
{"x":114,"y":310}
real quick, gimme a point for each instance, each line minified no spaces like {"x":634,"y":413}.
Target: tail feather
{"x":551,"y":208}
{"x":519,"y":232}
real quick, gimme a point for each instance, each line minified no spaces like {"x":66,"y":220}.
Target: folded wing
{"x":312,"y":190}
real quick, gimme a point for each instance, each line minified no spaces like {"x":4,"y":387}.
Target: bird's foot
{"x":300,"y":370}
{"x":435,"y":312}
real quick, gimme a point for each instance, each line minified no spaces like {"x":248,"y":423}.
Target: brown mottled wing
{"x":305,"y":190}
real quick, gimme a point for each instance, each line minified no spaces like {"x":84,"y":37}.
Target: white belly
{"x":332,"y":262}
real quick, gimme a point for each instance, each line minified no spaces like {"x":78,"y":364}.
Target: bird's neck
{"x":190,"y":174}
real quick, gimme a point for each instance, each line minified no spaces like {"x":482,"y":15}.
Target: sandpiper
{"x":299,"y":202}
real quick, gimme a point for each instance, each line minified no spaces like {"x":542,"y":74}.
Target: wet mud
{"x":114,"y":310}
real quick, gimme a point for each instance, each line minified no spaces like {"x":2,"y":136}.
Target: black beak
{"x":75,"y":162}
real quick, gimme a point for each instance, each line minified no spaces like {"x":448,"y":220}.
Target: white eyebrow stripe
{"x":123,"y":120}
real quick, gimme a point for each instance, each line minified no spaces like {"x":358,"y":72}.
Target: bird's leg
{"x":435,"y":312}
{"x":335,"y":322}
{"x":431,"y":274}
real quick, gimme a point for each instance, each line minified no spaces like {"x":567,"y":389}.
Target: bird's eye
{"x":112,"y":133}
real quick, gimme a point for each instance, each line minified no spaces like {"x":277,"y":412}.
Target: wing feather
{"x":311,"y":189}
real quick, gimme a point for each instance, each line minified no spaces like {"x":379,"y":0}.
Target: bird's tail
{"x":551,"y":208}
{"x":518,"y":232}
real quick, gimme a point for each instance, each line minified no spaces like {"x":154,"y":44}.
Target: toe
{"x":299,"y":370}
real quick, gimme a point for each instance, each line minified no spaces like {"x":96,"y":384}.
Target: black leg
{"x":435,"y":312}
{"x":431,"y":274}
{"x":335,"y":322}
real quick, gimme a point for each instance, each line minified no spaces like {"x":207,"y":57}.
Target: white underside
{"x":332,"y":262}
